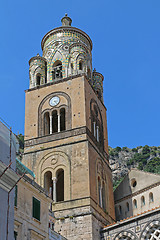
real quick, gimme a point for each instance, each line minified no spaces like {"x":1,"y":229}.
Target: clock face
{"x":54,"y":101}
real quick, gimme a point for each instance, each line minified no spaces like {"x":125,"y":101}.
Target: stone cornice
{"x":63,"y":135}
{"x":55,"y":136}
{"x":55,"y":82}
{"x":65,"y":80}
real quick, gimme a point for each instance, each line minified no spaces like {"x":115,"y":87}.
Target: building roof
{"x":132,"y":217}
{"x":23,"y":169}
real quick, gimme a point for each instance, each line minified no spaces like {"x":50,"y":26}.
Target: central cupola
{"x":67,"y":52}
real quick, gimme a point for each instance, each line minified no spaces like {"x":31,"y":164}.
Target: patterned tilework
{"x":67,"y":47}
{"x":97,"y":82}
{"x":37,"y":66}
{"x":70,"y":46}
{"x":66,"y":35}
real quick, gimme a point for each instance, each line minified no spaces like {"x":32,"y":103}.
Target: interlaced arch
{"x":151,"y":231}
{"x":126,"y":235}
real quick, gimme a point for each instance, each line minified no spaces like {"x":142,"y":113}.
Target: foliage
{"x":134,"y":150}
{"x":153,"y":165}
{"x":144,"y":158}
{"x":145,"y":149}
{"x":125,"y":149}
{"x":118,"y":149}
{"x":117,"y":182}
{"x":153,"y":153}
{"x":21,"y":140}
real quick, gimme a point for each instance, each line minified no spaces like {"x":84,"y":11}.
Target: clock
{"x":54,"y":101}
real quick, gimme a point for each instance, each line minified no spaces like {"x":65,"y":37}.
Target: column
{"x":94,"y":129}
{"x":50,"y":123}
{"x":101,"y":197}
{"x":58,"y":121}
{"x":54,"y":188}
{"x":97,"y":133}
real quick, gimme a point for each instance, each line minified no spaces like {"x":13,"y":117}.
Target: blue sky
{"x":126,"y":50}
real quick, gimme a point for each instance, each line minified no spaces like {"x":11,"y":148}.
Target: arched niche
{"x":96,"y":123}
{"x":55,"y":162}
{"x":101,"y":180}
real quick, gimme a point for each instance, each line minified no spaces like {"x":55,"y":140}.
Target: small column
{"x":97,"y":133}
{"x":58,"y":121}
{"x":54,"y":188}
{"x":94,"y":129}
{"x":101,"y":197}
{"x":50,"y":124}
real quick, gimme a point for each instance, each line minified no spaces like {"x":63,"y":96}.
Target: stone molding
{"x":55,"y":136}
{"x":64,"y":135}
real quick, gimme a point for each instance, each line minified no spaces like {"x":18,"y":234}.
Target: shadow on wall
{"x":123,"y":207}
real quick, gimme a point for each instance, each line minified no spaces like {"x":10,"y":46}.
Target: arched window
{"x":38,"y":80}
{"x":96,"y":125}
{"x":142,"y":201}
{"x":120,"y":209}
{"x":127,"y":206}
{"x":62,"y":119}
{"x":88,"y":73}
{"x":103,"y":197}
{"x":71,"y":67}
{"x":135,"y":203}
{"x":99,"y":93}
{"x":60,"y":185}
{"x":80,"y":65}
{"x":46,"y":124}
{"x":48,"y":183}
{"x":151,"y":197}
{"x":57,"y":70}
{"x":54,"y":121}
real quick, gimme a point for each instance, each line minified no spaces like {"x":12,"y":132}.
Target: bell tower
{"x":66,"y":143}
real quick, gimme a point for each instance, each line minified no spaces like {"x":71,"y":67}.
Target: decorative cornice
{"x":66,"y":134}
{"x":55,"y":136}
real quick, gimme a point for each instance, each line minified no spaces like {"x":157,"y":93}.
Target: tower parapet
{"x":97,"y":83}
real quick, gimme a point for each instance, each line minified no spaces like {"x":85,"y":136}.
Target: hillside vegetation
{"x":144,"y":158}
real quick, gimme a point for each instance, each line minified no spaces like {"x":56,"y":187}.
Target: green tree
{"x":145,"y":149}
{"x":153,"y":165}
{"x":134,"y":150}
{"x":21,"y":141}
{"x":118,"y":149}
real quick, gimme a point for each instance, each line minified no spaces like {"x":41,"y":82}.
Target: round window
{"x":133,"y":182}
